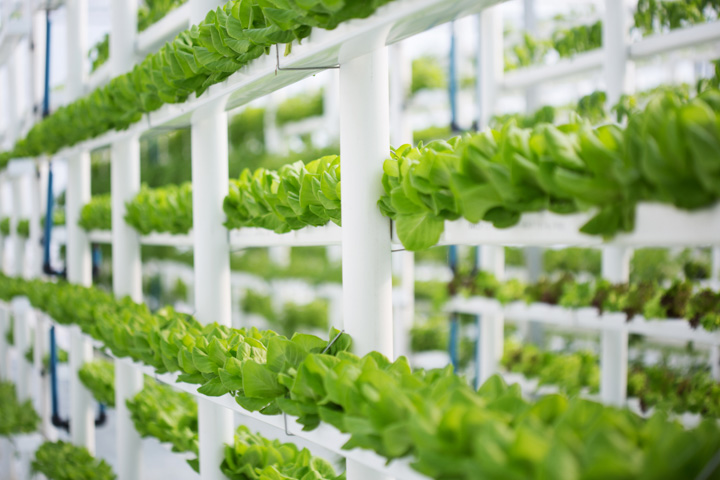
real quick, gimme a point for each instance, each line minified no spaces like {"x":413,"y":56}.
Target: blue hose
{"x":48,"y":220}
{"x":46,"y":98}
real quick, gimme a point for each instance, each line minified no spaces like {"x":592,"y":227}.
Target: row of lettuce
{"x":225,"y":41}
{"x":658,"y":386}
{"x":666,"y":154}
{"x":650,"y":16}
{"x":448,"y":429}
{"x":681,"y":300}
{"x":160,"y":412}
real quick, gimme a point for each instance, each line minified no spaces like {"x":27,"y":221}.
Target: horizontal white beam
{"x":584,"y":319}
{"x":164,"y":30}
{"x":676,"y":39}
{"x":523,"y":78}
{"x":655,"y":225}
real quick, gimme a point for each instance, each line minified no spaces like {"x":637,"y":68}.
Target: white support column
{"x":614,"y":343}
{"x":400,"y":134}
{"x":79,"y":263}
{"x":715,"y":272}
{"x":489,"y":63}
{"x":331,"y":110}
{"x":18,"y":243}
{"x":367,"y":270}
{"x":530,"y":23}
{"x":127,"y":280}
{"x":127,"y":267}
{"x":21,"y":313}
{"x":490,"y":327}
{"x":79,"y":268}
{"x":619,"y":71}
{"x":212,"y":264}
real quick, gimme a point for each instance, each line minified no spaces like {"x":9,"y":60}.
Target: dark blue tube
{"x":454,"y":340}
{"x":48,"y":220}
{"x":53,"y":374}
{"x":46,"y":98}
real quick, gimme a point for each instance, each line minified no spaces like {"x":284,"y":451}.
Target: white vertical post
{"x":367,"y":270}
{"x":18,"y":243}
{"x":127,"y":270}
{"x":614,"y":343}
{"x":13,"y":120}
{"x":331,"y":111}
{"x":4,"y":314}
{"x":489,"y":63}
{"x":79,"y":264}
{"x":715,"y":272}
{"x":21,"y":312}
{"x":616,"y":39}
{"x":400,"y":134}
{"x":530,"y":24}
{"x":212,"y":263}
{"x":490,"y":326}
{"x":127,"y":280}
{"x":715,"y":362}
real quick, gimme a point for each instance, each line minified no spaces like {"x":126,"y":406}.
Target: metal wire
{"x":278,"y":68}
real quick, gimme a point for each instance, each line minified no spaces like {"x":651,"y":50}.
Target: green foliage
{"x":99,"y":53}
{"x":247,"y":129}
{"x":427,"y":74}
{"x":226,"y":40}
{"x":292,"y":318}
{"x":528,"y":52}
{"x":659,"y":386}
{"x":652,"y":16}
{"x":5,"y":226}
{"x":65,"y":461}
{"x":62,"y":356}
{"x":97,"y":214}
{"x":514,"y":257}
{"x":149,"y":12}
{"x":254,"y":457}
{"x":299,"y":108}
{"x":669,"y":389}
{"x":291,"y":198}
{"x":15,"y":417}
{"x":568,"y":42}
{"x":162,"y":210}
{"x":384,"y":406}
{"x":170,"y":416}
{"x":23,"y":228}
{"x":98,"y":377}
{"x":666,"y":154}
{"x":435,"y":291}
{"x":644,"y":298}
{"x":570,"y":372}
{"x":429,"y":134}
{"x":573,"y":260}
{"x":544,"y":114}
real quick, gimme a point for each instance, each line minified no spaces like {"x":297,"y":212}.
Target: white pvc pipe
{"x":489,"y":63}
{"x":614,"y":343}
{"x":400,"y":78}
{"x":715,"y":272}
{"x":36,"y":208}
{"x":364,"y":145}
{"x":618,"y":71}
{"x":123,"y":33}
{"x":367,"y":270}
{"x":21,"y":313}
{"x":79,"y":268}
{"x":77,"y":21}
{"x":18,"y":243}
{"x":532,"y":97}
{"x":491,"y":326}
{"x":211,"y":264}
{"x":127,"y":281}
